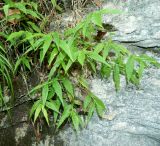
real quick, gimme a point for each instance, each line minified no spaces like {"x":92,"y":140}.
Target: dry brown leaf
{"x":1,"y":15}
{"x":13,"y":12}
{"x":98,"y":3}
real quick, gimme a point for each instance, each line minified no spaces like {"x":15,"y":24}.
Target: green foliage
{"x":61,"y":52}
{"x":20,"y":10}
{"x":91,"y":103}
{"x":6,"y":73}
{"x":78,"y":46}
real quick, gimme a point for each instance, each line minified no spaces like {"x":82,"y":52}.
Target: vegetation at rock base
{"x":25,"y":43}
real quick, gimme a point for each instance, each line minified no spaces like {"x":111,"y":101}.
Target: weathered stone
{"x":139,"y":24}
{"x":132,"y":117}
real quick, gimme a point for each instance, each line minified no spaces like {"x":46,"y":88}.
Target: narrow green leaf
{"x":6,"y":74}
{"x":56,"y":39}
{"x":83,"y":82}
{"x":68,"y":86}
{"x":15,"y":35}
{"x":56,"y":6}
{"x":26,"y":62}
{"x":52,"y":55}
{"x":75,"y":120}
{"x":149,"y":60}
{"x":106,"y":49}
{"x":37,"y":112}
{"x":41,"y":55}
{"x":141,"y":69}
{"x":134,"y":79}
{"x":67,"y":49}
{"x":6,"y":61}
{"x":66,"y":113}
{"x":81,"y":57}
{"x":58,"y":89}
{"x":18,"y":62}
{"x":98,"y":48}
{"x":34,"y":26}
{"x":93,"y":65}
{"x":51,"y":94}
{"x":45,"y":115}
{"x":32,"y":13}
{"x":54,"y":3}
{"x":44,"y":94}
{"x":21,"y":7}
{"x":34,"y":5}
{"x":54,"y":68}
{"x":86,"y":103}
{"x":37,"y":43}
{"x":129,"y":67}
{"x":69,"y":64}
{"x":60,"y":58}
{"x":34,"y":107}
{"x":105,"y":71}
{"x":58,"y":103}
{"x":97,"y":19}
{"x":116,"y":76}
{"x":2,"y":48}
{"x":38,"y":87}
{"x":85,"y":28}
{"x":6,"y":9}
{"x":52,"y":105}
{"x":1,"y":96}
{"x":98,"y":58}
{"x":30,"y":37}
{"x":46,"y":45}
{"x":100,"y":107}
{"x":90,"y":111}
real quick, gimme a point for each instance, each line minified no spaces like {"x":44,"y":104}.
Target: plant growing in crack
{"x":63,"y":54}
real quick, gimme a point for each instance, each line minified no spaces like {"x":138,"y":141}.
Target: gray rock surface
{"x":139,"y":24}
{"x":132,"y":117}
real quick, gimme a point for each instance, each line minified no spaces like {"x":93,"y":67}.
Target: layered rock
{"x":139,"y":24}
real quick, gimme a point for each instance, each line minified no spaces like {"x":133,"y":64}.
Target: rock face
{"x":139,"y":24}
{"x":132,"y":118}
